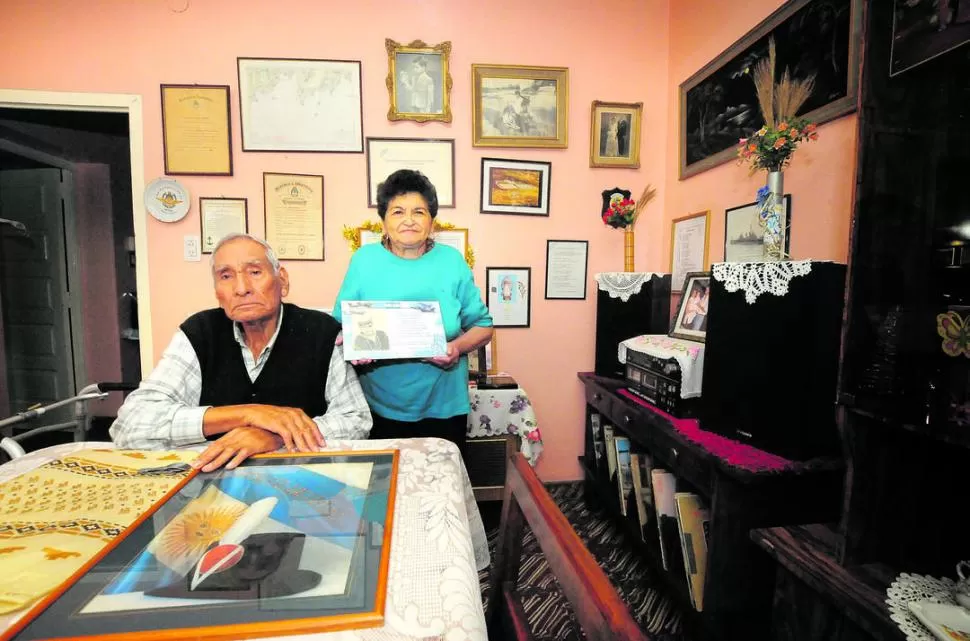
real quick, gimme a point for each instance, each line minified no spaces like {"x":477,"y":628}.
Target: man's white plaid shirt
{"x":164,"y":411}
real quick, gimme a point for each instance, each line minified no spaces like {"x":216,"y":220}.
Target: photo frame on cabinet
{"x":516,"y":106}
{"x":614,"y":134}
{"x":434,"y":156}
{"x":508,"y":295}
{"x":690,"y":238}
{"x":219,"y":217}
{"x":196,"y":130}
{"x":418,"y":81}
{"x":515,"y":186}
{"x":744,"y":237}
{"x":491,"y":358}
{"x":719,"y":105}
{"x":690,"y":323}
{"x":299,"y":105}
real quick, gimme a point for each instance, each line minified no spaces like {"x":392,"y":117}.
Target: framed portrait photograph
{"x":293,"y":211}
{"x":433,"y":157}
{"x":744,"y":237}
{"x":515,"y":186}
{"x":490,"y":352}
{"x":690,"y":323}
{"x":520,"y":106}
{"x":508,"y":295}
{"x":279,"y":545}
{"x":719,"y":104}
{"x":196,"y":136}
{"x":566,"y":264}
{"x":219,"y":217}
{"x":418,"y":81}
{"x":300,"y":105}
{"x":690,"y":238}
{"x":614,"y":134}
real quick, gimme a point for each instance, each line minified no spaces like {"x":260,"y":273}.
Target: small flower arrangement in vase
{"x":621,"y":212}
{"x":771,"y":147}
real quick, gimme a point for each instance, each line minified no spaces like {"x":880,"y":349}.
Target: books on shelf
{"x":610,"y":450}
{"x":641,"y":464}
{"x":693,"y":519}
{"x":599,"y":449}
{"x":624,"y":475}
{"x":664,"y":488}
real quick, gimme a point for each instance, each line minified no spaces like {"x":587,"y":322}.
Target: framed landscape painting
{"x":515,"y":186}
{"x":280,"y":545}
{"x":519,"y":106}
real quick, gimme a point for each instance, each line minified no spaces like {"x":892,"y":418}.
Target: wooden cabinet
{"x":739,"y":581}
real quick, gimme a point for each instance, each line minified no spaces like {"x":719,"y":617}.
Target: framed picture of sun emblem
{"x":284,"y":543}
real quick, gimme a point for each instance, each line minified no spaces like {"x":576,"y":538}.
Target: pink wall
{"x":820,"y":178}
{"x":92,"y":207}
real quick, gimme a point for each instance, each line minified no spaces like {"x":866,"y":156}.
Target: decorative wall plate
{"x":167,"y":200}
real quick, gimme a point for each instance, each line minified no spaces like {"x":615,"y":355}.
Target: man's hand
{"x":298,"y":431}
{"x":449,"y":359}
{"x":235,"y":447}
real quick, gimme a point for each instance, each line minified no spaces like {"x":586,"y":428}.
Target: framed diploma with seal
{"x":293,"y":206}
{"x":195,"y":130}
{"x":283,"y":544}
{"x":220,"y":217}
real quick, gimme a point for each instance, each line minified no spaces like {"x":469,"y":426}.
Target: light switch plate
{"x":192,"y":248}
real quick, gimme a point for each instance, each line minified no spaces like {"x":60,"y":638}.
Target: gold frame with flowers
{"x":418,"y":50}
{"x":372,"y":231}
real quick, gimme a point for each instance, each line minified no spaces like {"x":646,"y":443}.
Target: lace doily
{"x":622,"y":285}
{"x":756,"y":279}
{"x":916,"y":587}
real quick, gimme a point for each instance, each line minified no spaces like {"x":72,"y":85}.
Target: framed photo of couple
{"x":691,"y":320}
{"x":614,"y":135}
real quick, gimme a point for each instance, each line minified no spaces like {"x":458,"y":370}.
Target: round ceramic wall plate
{"x":167,"y":200}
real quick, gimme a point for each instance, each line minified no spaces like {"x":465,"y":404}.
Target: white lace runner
{"x":755,"y":279}
{"x":689,"y":355}
{"x":916,"y":587}
{"x":622,"y":285}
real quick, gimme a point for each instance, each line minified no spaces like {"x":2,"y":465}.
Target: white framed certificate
{"x":380,"y":330}
{"x":566,"y":262}
{"x":220,"y":217}
{"x":435,"y":158}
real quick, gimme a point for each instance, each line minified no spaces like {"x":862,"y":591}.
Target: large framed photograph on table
{"x":508,"y":295}
{"x":279,"y":545}
{"x":744,"y":237}
{"x":690,"y":323}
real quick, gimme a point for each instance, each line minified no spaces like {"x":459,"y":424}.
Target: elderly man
{"x":251,"y":374}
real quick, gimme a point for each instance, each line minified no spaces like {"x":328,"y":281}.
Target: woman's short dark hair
{"x":406,"y":181}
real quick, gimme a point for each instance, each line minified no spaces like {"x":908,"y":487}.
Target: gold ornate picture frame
{"x":614,"y":134}
{"x":516,"y":106}
{"x":443,"y":232}
{"x":418,"y":81}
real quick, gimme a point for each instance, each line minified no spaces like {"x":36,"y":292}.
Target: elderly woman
{"x":417,"y":397}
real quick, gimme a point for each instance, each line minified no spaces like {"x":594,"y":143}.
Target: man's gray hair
{"x":270,"y":254}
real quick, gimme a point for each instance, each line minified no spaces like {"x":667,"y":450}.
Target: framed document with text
{"x":566,"y":262}
{"x":220,"y":217}
{"x":283,"y":544}
{"x":293,"y":206}
{"x":432,"y":157}
{"x":195,"y":130}
{"x":690,"y":238}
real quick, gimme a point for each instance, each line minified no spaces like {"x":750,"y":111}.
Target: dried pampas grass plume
{"x":648,"y":194}
{"x":781,"y":101}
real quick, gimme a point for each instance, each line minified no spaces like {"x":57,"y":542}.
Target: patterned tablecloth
{"x":437,"y":546}
{"x":505,"y":411}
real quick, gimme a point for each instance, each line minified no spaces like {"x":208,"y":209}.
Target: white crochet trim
{"x":915,"y":587}
{"x":622,"y":285}
{"x":755,"y":279}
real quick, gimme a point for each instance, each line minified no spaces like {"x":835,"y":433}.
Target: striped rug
{"x":547,"y":609}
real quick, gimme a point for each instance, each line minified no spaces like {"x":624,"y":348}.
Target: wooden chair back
{"x":598,"y":608}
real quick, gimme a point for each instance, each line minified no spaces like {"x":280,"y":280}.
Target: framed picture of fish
{"x":743,"y":236}
{"x":282,"y":544}
{"x":515,"y":187}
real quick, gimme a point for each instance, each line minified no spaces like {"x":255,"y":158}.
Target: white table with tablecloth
{"x":496,"y":412}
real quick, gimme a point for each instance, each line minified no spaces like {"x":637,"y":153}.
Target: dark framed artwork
{"x":719,"y":105}
{"x":282,"y":544}
{"x":508,"y":295}
{"x":515,"y":186}
{"x":743,"y":236}
{"x":925,"y":29}
{"x":690,"y":323}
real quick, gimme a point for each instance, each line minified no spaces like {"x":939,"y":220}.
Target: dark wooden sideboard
{"x":739,"y":581}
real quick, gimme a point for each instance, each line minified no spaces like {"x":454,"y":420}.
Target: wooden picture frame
{"x":516,"y":106}
{"x":148,"y":581}
{"x":491,"y":358}
{"x":293,"y":214}
{"x":567,"y":266}
{"x":196,"y":130}
{"x":219,"y":217}
{"x":508,"y":295}
{"x":435,"y":157}
{"x":690,"y":323}
{"x":328,"y":118}
{"x":418,"y":81}
{"x":743,"y":236}
{"x":518,"y":187}
{"x":370,"y":232}
{"x":820,"y":37}
{"x":690,"y":246}
{"x":614,"y":134}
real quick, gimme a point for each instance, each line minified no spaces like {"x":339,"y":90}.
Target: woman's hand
{"x":449,"y":359}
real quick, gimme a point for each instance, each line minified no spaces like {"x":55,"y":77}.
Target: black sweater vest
{"x":295,"y":374}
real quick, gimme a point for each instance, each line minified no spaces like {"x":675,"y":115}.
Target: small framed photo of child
{"x":691,"y":320}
